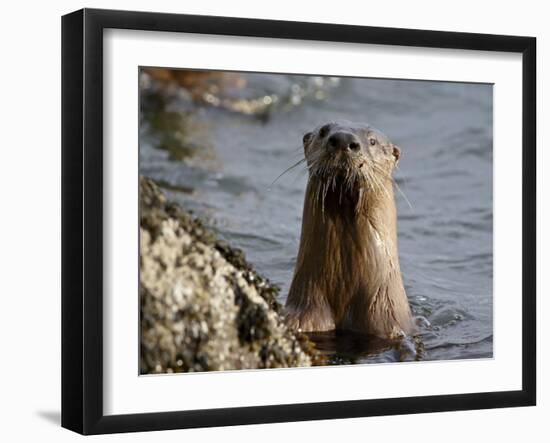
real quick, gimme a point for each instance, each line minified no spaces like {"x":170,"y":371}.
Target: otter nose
{"x":343,"y":141}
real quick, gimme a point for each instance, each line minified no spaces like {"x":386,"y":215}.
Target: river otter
{"x":347,"y":273}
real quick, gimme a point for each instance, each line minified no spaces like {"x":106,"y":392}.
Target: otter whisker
{"x":376,"y":184}
{"x":359,"y":206}
{"x":287,"y":170}
{"x":403,"y":194}
{"x":325,"y":190}
{"x":396,"y":185}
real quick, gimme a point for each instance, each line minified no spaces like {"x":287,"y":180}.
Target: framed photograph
{"x":269,"y":221}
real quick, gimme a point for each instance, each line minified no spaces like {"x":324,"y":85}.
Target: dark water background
{"x":445,"y":238}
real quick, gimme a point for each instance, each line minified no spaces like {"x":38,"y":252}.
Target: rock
{"x":203,"y":307}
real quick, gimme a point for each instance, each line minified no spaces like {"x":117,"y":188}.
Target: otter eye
{"x":324,"y":131}
{"x":372,"y":141}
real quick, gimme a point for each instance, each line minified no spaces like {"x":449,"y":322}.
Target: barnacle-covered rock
{"x":203,"y":307}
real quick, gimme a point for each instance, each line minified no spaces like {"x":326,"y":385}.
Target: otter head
{"x":349,"y":159}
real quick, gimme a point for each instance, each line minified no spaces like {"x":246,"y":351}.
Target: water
{"x":444,"y":131}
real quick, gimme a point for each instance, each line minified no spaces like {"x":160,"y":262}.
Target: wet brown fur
{"x":347,"y":274}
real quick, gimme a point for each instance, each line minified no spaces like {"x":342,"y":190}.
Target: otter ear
{"x":396,"y":152}
{"x":307,"y":138}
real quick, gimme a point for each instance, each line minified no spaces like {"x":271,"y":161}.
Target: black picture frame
{"x":82,"y":219}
